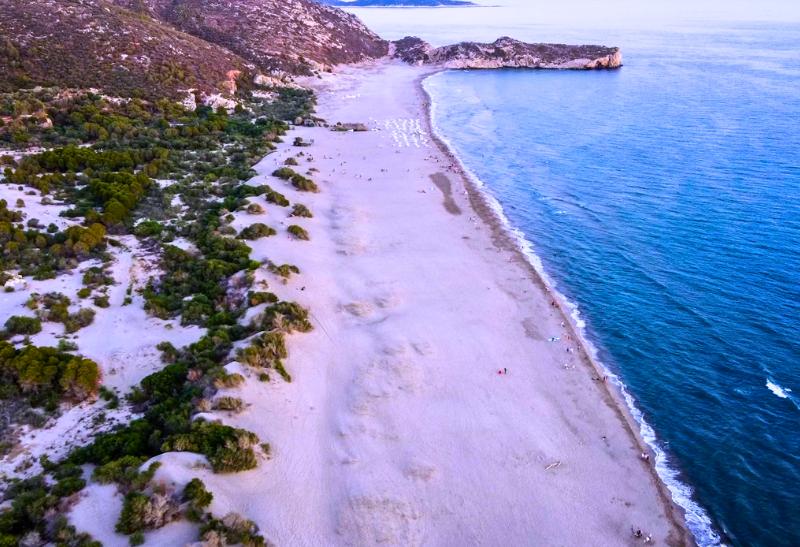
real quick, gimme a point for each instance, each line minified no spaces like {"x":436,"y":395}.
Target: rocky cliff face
{"x":286,"y":36}
{"x":506,"y":53}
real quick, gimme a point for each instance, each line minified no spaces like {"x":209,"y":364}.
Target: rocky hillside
{"x":92,"y":43}
{"x":289,"y":36}
{"x":507,"y":53}
{"x":162,"y":48}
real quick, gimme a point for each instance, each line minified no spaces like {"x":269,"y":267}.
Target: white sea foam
{"x":697,"y":519}
{"x":782,"y":392}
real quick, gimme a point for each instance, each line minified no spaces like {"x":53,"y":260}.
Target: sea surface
{"x":663,"y":201}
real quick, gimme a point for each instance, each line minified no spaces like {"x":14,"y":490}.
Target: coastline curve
{"x":685,"y":513}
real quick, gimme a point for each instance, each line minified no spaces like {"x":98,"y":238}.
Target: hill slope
{"x":92,"y":43}
{"x":291,"y":36}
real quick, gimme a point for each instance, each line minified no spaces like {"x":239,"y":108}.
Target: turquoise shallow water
{"x":664,"y":200}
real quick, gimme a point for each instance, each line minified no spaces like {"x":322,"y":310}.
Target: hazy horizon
{"x":582,"y":20}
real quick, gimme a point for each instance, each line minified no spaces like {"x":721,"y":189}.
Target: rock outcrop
{"x":506,"y":53}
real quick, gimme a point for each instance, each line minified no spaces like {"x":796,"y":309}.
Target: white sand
{"x":397,"y":428}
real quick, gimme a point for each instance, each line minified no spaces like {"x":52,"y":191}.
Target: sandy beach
{"x":398,"y":428}
{"x":442,"y":399}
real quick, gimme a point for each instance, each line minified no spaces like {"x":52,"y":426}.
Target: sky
{"x":519,"y":16}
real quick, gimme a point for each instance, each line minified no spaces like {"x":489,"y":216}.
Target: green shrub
{"x":197,"y":497}
{"x":17,"y":324}
{"x":68,"y":486}
{"x":284,"y":270}
{"x":148,"y":228}
{"x":303,"y":184}
{"x":78,"y":320}
{"x":290,"y":161}
{"x":66,"y":345}
{"x":282,"y":371}
{"x":96,"y":277}
{"x":254,"y":298}
{"x":134,"y":511}
{"x":285,"y":317}
{"x":229,"y":381}
{"x":276,"y":197}
{"x":298,"y":141}
{"x":45,"y":375}
{"x":195,"y":492}
{"x":101,"y":301}
{"x":229,"y":404}
{"x":231,"y":530}
{"x":125,"y":472}
{"x":300,"y":210}
{"x":265,"y":350}
{"x":256,"y":231}
{"x":284,"y":173}
{"x":298,"y":232}
{"x":228,"y":449}
{"x":255,"y":209}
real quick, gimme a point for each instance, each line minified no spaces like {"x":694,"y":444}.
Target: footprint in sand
{"x":389,"y":299}
{"x":419,"y":471}
{"x":353,"y":245}
{"x":359,"y":309}
{"x":423,"y":348}
{"x":367,"y":520}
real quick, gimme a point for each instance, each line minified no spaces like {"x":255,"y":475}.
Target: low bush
{"x":276,"y":197}
{"x":231,"y":530}
{"x":254,"y":298}
{"x":285,"y":317}
{"x":125,"y":472}
{"x":198,"y":498}
{"x":228,"y":449}
{"x":284,"y":270}
{"x":229,"y":381}
{"x":300,"y":210}
{"x":255,"y":209}
{"x":257,"y":231}
{"x":285,"y":173}
{"x":145,"y":512}
{"x":264,"y":351}
{"x":303,"y":184}
{"x":298,"y":232}
{"x":78,"y":320}
{"x":229,"y":404}
{"x":18,"y":324}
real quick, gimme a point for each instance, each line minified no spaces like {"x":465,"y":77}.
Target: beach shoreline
{"x":503,"y":237}
{"x":441,"y":398}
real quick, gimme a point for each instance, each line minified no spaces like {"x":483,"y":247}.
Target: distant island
{"x":396,"y":3}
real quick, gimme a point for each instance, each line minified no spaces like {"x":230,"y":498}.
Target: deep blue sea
{"x":663,"y":199}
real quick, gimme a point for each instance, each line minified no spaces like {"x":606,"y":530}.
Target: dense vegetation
{"x":111,"y":185}
{"x":45,"y":376}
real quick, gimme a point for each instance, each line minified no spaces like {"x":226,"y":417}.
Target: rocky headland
{"x":506,"y":52}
